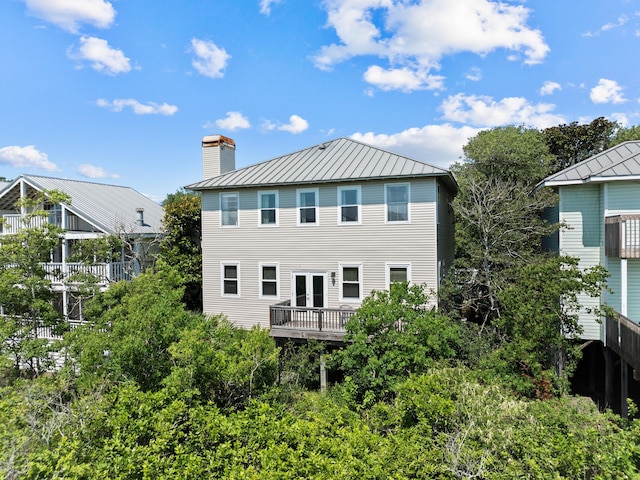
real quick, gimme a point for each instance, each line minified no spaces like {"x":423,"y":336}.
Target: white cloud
{"x":296,"y":125}
{"x":102,"y":57}
{"x":70,"y":14}
{"x":27,"y":156}
{"x":138,"y":108}
{"x":404,"y":79}
{"x":211,"y":60}
{"x":417,"y":35}
{"x":621,"y":118}
{"x":233,"y":121}
{"x":265,"y":6}
{"x":607,"y":91}
{"x":474,"y":74}
{"x":92,"y":171}
{"x":620,"y":22}
{"x":549,"y":87}
{"x":486,"y":112}
{"x":439,"y":145}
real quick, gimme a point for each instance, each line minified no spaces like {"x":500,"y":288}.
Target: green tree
{"x":25,"y":286}
{"x":541,"y":321}
{"x":392,"y":335}
{"x":181,"y":246}
{"x":626,"y":134}
{"x":499,"y":220}
{"x":221,"y":363}
{"x":574,"y":142}
{"x":130,"y":328}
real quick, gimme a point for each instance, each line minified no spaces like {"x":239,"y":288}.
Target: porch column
{"x":609,"y":372}
{"x":624,"y":388}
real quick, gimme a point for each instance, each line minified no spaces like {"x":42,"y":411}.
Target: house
{"x":599,"y":201}
{"x":296,"y":243}
{"x":95,"y":210}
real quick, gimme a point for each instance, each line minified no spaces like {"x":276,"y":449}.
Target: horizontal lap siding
{"x":322,"y":247}
{"x":581,"y":210}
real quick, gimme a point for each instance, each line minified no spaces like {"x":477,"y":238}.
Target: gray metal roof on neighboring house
{"x":338,"y":160}
{"x":111,"y":208}
{"x":621,"y":162}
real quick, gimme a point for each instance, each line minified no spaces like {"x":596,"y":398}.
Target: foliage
{"x":574,"y":143}
{"x":513,"y":154}
{"x":445,"y":424}
{"x":393,"y":334}
{"x":223,"y":364}
{"x":540,"y":319}
{"x":499,"y":221}
{"x":180,"y":246}
{"x":25,"y":290}
{"x":626,"y":134}
{"x":130,"y":328}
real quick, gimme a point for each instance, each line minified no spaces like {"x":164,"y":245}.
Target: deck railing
{"x":284,"y":316}
{"x":48,"y":333}
{"x":57,"y":272}
{"x":623,"y":337}
{"x":13,"y":223}
{"x":622,"y":236}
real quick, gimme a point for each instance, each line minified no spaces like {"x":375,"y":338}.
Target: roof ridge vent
{"x":323,"y":146}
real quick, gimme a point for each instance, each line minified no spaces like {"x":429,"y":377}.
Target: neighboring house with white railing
{"x":296,"y":243}
{"x":94,"y":211}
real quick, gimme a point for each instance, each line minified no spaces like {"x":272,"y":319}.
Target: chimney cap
{"x":217,"y":140}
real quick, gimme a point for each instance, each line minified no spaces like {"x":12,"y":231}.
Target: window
{"x":269,"y":280}
{"x":397,"y":200}
{"x":349,"y":205}
{"x":231,"y":279}
{"x":308,"y":206}
{"x":398,"y":272}
{"x":268,"y":205}
{"x":55,"y":213}
{"x":229,"y":209}
{"x":351,"y":282}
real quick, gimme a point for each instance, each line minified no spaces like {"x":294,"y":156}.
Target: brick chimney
{"x":218,"y":155}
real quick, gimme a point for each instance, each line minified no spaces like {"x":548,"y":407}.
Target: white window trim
{"x":386,"y":204}
{"x":222,"y":278}
{"x":260,"y":267}
{"x":237,"y":194}
{"x":390,"y":265}
{"x":260,"y":208}
{"x":358,"y":204}
{"x":357,"y":265}
{"x":298,"y":207}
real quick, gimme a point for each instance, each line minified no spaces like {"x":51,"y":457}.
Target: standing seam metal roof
{"x":620,"y":161}
{"x":338,"y":160}
{"x":110,"y":208}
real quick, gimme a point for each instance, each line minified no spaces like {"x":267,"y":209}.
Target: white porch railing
{"x":13,"y":223}
{"x":104,"y":272}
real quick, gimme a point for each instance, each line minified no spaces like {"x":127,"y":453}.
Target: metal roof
{"x":110,"y":208}
{"x":339,"y":160}
{"x":621,"y":162}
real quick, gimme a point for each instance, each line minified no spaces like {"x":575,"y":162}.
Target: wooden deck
{"x":623,"y":337}
{"x":286,"y":321}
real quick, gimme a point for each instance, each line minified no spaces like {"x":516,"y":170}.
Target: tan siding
{"x":321,"y":248}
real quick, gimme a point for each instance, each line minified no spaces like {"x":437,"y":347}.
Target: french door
{"x":309,"y":289}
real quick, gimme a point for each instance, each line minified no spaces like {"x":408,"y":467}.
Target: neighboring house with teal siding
{"x":599,"y":202}
{"x":296,"y":243}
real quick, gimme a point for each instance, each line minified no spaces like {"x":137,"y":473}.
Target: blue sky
{"x":122,"y":91}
